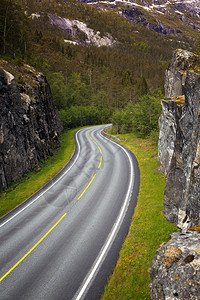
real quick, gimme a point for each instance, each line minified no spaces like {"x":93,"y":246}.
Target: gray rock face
{"x":29,"y":123}
{"x":89,"y":36}
{"x":175,"y":269}
{"x":135,"y":16}
{"x":178,"y":148}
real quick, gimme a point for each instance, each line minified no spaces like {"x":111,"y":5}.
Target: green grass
{"x":148,"y":229}
{"x":33,"y":181}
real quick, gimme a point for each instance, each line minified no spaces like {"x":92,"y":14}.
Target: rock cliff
{"x":175,"y":270}
{"x":179,"y":140}
{"x":29,"y":122}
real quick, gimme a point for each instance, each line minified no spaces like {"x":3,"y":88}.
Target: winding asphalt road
{"x":63,"y":242}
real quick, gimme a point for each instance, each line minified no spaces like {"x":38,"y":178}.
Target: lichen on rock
{"x":172,"y":255}
{"x":175,"y":269}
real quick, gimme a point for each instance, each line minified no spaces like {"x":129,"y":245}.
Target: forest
{"x":122,"y":84}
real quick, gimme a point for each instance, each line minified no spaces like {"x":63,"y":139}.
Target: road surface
{"x":63,"y":242}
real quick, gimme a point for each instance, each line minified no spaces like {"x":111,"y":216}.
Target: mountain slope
{"x":165,"y":17}
{"x":100,"y":53}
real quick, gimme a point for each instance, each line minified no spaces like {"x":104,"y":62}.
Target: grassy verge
{"x":148,"y":229}
{"x":33,"y":181}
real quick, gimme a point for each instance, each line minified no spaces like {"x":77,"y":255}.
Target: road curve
{"x":63,"y":242}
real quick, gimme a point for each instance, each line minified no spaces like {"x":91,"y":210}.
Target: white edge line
{"x":88,"y":279}
{"x":76,"y":139}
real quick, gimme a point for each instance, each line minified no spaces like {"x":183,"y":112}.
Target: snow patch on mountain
{"x":116,"y":2}
{"x":71,"y":42}
{"x":34,"y":16}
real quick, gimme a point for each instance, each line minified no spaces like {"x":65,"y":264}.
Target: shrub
{"x":141,"y":117}
{"x":146,"y":113}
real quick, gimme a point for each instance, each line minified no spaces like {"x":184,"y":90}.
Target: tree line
{"x":13,"y":29}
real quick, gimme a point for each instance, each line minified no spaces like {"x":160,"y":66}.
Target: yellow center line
{"x":94,"y":142}
{"x":31,"y":249}
{"x":100,"y":163}
{"x":87,"y":186}
{"x":98,"y":167}
{"x":56,"y":222}
{"x":92,"y":138}
{"x":100,"y":149}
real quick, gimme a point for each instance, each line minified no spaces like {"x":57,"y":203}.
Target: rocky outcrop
{"x":175,"y":270}
{"x":78,"y":29}
{"x":135,"y":16}
{"x":29,"y":122}
{"x":179,"y":140}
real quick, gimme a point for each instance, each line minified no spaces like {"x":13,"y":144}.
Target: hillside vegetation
{"x":89,"y":83}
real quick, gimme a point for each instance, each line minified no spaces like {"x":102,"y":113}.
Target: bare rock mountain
{"x":30,"y":124}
